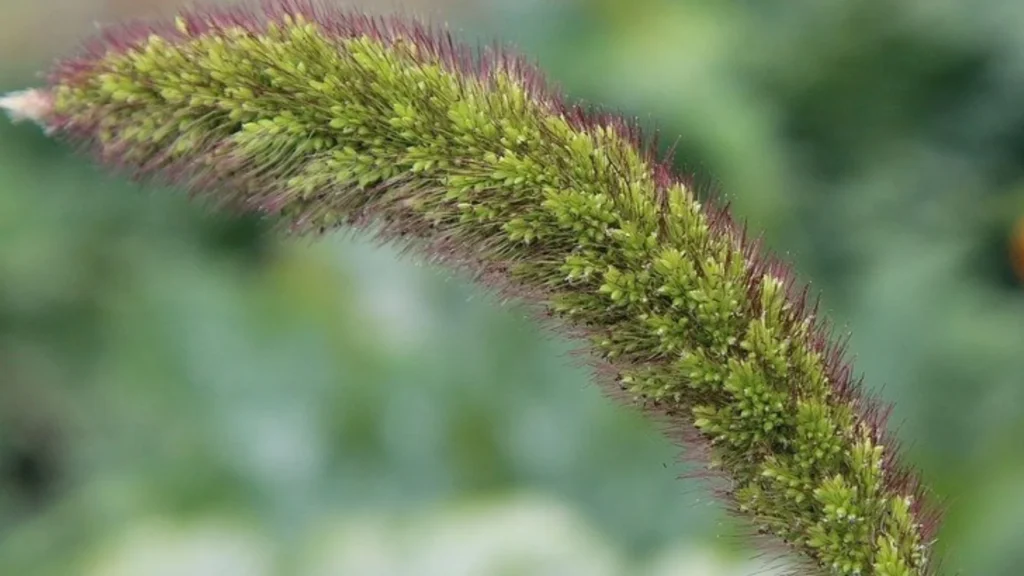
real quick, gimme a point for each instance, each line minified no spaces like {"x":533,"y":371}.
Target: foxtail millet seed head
{"x":325,"y":118}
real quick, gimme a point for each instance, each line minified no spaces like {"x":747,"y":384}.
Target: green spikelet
{"x":331,"y":119}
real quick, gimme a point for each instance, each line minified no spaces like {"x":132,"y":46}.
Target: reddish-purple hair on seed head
{"x":435,"y":42}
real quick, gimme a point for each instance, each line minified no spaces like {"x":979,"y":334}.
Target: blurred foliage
{"x":160,"y":363}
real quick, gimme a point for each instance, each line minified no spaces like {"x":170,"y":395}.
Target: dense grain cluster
{"x":330,"y":119}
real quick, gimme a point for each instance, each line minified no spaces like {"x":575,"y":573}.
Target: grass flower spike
{"x":325,"y":118}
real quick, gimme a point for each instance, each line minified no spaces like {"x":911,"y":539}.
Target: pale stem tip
{"x":31,"y":105}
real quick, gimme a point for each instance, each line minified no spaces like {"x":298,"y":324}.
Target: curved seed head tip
{"x":32,"y":105}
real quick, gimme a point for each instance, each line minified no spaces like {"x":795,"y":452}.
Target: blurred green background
{"x":184,"y":393}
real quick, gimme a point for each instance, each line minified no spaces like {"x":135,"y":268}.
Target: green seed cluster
{"x":329,"y":129}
